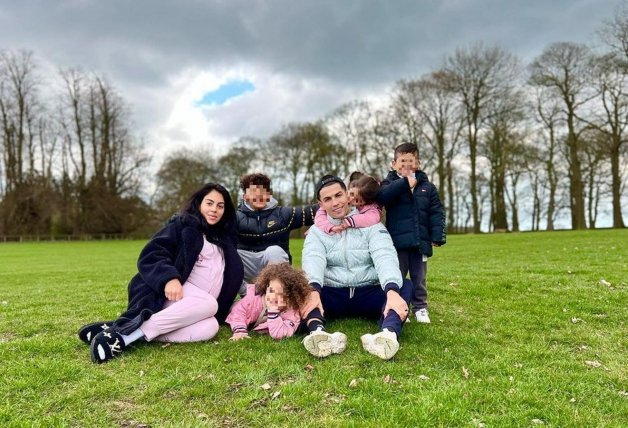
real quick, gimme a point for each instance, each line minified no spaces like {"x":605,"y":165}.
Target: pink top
{"x":368,"y":215}
{"x":208,"y":270}
{"x":247,"y":310}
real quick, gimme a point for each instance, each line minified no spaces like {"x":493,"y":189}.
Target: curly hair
{"x":295,"y":285}
{"x":257,"y":179}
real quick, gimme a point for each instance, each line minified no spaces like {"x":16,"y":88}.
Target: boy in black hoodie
{"x":415,"y":220}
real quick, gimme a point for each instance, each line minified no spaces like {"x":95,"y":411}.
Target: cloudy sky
{"x":199,"y":72}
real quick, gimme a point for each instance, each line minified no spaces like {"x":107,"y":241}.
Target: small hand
{"x":239,"y":336}
{"x":338,"y":229}
{"x":174,"y":290}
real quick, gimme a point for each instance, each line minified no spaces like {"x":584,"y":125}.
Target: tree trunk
{"x":618,"y":221}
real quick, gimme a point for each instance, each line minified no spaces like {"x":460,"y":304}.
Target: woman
{"x":189,"y":275}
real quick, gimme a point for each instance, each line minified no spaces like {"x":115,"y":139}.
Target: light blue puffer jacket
{"x":357,"y":257}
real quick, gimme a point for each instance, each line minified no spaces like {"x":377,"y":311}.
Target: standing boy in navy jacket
{"x":415,"y":220}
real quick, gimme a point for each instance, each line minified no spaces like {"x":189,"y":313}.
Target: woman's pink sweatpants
{"x":191,"y":319}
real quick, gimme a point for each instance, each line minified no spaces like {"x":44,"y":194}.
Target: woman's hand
{"x":174,"y":290}
{"x":239,"y":336}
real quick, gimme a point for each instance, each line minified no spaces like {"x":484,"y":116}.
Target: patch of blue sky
{"x":225,"y":92}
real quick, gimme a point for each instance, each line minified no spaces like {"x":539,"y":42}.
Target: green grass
{"x":515,"y":318}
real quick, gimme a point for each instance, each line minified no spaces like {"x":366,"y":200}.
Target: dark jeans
{"x":366,"y":302}
{"x":412,"y":261}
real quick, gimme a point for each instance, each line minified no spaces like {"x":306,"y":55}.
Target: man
{"x":355,"y":274}
{"x":264,"y":227}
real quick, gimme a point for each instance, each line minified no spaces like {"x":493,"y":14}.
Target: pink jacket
{"x":367,"y":216}
{"x":247,"y":310}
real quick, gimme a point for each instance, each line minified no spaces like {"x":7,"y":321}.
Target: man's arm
{"x":314,"y":257}
{"x":384,"y":256}
{"x":314,"y":264}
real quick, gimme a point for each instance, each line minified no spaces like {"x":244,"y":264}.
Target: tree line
{"x":498,"y":137}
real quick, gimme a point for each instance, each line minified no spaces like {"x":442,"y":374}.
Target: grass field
{"x":527,"y":329}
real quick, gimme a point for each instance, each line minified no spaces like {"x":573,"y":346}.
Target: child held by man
{"x":363,"y":190}
{"x":271,"y":305}
{"x":415,"y":220}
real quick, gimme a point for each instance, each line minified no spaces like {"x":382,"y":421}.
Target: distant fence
{"x":61,"y":238}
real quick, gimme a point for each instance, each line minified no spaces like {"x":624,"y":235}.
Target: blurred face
{"x":275,"y":297}
{"x":355,"y":198}
{"x":406,"y":164}
{"x":334,"y":200}
{"x":256,"y":196}
{"x":212,"y":207}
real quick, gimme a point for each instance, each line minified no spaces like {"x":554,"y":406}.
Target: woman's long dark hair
{"x":225,"y":228}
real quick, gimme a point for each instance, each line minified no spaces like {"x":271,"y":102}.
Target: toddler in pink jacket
{"x":271,"y":305}
{"x":362,"y":195}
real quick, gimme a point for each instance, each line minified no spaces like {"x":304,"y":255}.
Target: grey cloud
{"x":356,"y":45}
{"x":351,"y":41}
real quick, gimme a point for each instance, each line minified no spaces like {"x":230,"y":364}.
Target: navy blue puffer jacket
{"x":258,"y":230}
{"x":415,"y":219}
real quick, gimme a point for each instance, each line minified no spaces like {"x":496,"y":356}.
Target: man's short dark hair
{"x":255,"y":179}
{"x":328,"y":180}
{"x":404,"y":148}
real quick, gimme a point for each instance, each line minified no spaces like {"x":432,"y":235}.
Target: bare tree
{"x":107,"y":160}
{"x":244,"y":156}
{"x":546,"y":111}
{"x":18,"y":100}
{"x":181,"y":173}
{"x":477,"y":75}
{"x":565,"y":69}
{"x":437,"y":110}
{"x":305,"y":152}
{"x":501,"y":143}
{"x":612,"y":72}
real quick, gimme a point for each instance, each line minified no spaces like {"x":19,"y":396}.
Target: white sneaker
{"x":338,"y":342}
{"x":422,"y":316}
{"x":322,"y":344}
{"x":383,"y":344}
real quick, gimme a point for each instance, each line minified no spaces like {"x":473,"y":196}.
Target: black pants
{"x":363,"y":302}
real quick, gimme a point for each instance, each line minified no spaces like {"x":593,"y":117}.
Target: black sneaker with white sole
{"x":106,"y":345}
{"x":89,"y":331}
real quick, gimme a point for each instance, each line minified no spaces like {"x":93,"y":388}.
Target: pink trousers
{"x":190,"y":319}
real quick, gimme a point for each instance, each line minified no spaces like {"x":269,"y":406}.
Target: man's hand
{"x":174,"y":290}
{"x":312,"y":302}
{"x":397,"y":304}
{"x":239,"y":336}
